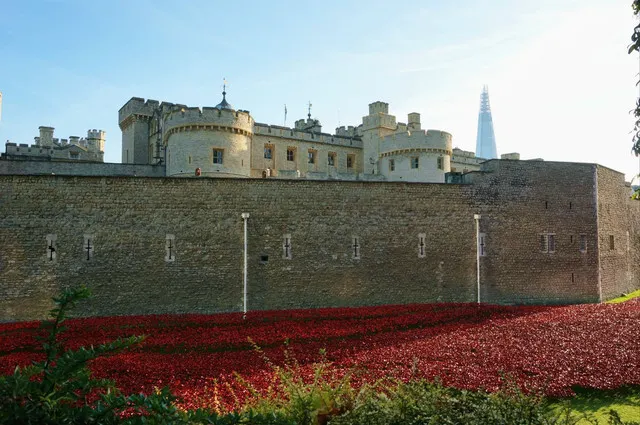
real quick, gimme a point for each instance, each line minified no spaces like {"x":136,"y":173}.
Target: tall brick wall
{"x":618,"y":219}
{"x":521,"y":200}
{"x":130,"y":217}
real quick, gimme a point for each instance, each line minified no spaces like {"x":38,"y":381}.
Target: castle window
{"x":170,"y":248}
{"x":422,"y":245}
{"x":268,"y":151}
{"x":351,"y":160}
{"x":87,"y":247}
{"x":76,"y":155}
{"x":286,"y":247}
{"x":52,"y":253}
{"x":415,"y":162}
{"x":312,"y":156}
{"x":548,"y":242}
{"x":291,"y":154}
{"x":189,"y":159}
{"x":331,"y":159}
{"x":217,"y":156}
{"x":355,"y":245}
{"x":392,"y":165}
{"x":440,"y":163}
{"x":482,"y":244}
{"x":583,"y":243}
{"x":612,"y":243}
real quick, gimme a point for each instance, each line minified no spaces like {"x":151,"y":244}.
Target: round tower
{"x":416,"y":156}
{"x":216,"y":140}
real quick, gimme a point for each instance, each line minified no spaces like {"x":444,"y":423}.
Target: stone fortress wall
{"x":174,"y":245}
{"x":48,"y":148}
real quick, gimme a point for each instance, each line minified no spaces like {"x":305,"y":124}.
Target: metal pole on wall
{"x":244,"y":216}
{"x":476,"y":217}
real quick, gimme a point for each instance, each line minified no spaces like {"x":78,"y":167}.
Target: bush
{"x":61,"y":390}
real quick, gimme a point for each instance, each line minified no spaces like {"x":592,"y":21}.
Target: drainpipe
{"x":244,"y":216}
{"x":476,"y":217}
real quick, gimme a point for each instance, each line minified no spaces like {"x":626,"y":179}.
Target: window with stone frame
{"x":291,"y":154}
{"x":351,"y":161}
{"x":218,"y":156}
{"x":392,"y":165}
{"x":415,"y":162}
{"x":440,"y":163}
{"x":331,"y":159}
{"x":268,"y":151}
{"x":312,"y":156}
{"x":548,"y":242}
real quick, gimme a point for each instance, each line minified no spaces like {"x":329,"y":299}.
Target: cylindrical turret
{"x":416,"y":156}
{"x":216,"y":140}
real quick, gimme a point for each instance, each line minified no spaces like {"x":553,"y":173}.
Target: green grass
{"x":634,"y":294}
{"x":596,"y":404}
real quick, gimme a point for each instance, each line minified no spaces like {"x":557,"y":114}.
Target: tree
{"x":635,"y":47}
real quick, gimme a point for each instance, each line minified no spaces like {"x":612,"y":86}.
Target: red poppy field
{"x":465,"y":345}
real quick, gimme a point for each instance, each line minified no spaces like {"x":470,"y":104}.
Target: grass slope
{"x":595,"y":405}
{"x":634,"y":294}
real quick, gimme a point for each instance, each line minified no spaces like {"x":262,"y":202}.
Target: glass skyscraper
{"x":486,"y":139}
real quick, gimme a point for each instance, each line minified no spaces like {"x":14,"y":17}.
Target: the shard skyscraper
{"x":486,"y":139}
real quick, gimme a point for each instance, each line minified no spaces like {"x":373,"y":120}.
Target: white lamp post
{"x":244,"y":216}
{"x":476,"y":217}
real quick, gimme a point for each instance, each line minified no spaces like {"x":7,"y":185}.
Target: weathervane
{"x":309,"y":114}
{"x":224,"y":88}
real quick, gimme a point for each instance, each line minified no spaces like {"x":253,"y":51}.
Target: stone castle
{"x":46,"y":147}
{"x":382,"y":213}
{"x":223,"y":142}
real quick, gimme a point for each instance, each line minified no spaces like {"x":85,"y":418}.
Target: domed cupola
{"x":224,"y":104}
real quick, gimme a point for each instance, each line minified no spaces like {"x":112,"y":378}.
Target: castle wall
{"x":74,"y":168}
{"x":619,"y":230}
{"x":351,"y":243}
{"x":321,"y":145}
{"x":520,"y":202}
{"x":129,"y":219}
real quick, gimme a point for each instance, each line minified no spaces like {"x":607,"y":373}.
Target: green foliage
{"x":635,"y":47}
{"x":61,"y":390}
{"x":423,"y":402}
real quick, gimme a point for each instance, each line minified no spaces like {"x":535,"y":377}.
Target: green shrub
{"x":61,"y":390}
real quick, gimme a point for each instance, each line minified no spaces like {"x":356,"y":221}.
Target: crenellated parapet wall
{"x":49,"y":148}
{"x":429,"y":141}
{"x":207,"y":118}
{"x":297,"y":135}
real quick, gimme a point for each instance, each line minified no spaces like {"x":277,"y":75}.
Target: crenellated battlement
{"x":47,"y":147}
{"x":207,"y":118}
{"x":293,"y":134}
{"x":420,"y":139}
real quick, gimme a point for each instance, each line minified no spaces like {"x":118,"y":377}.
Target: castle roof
{"x":224,"y":104}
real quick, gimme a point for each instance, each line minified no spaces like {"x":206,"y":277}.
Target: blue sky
{"x":561,"y":83}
